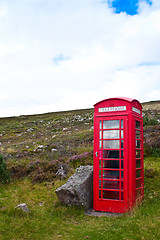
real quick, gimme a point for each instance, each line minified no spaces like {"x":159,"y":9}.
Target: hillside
{"x":61,"y":136}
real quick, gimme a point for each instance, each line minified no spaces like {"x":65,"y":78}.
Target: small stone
{"x":40,"y":146}
{"x":54,"y":150}
{"x":23,"y":207}
{"x":61,"y":173}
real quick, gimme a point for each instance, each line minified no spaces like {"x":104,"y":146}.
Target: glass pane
{"x":111,"y":144}
{"x":138,"y":144}
{"x":138,"y":134}
{"x":111,"y":195}
{"x":122,"y":164}
{"x":138,"y":163}
{"x":138,"y":173}
{"x":122,"y":196}
{"x":138,"y":124}
{"x":100,"y":134}
{"x":100,"y":124}
{"x":100,"y":164}
{"x":122,"y":185}
{"x":99,"y":173}
{"x":121,"y":143}
{"x":99,"y":183}
{"x":138,"y":183}
{"x":121,"y":174}
{"x":111,"y":164}
{"x":111,"y":184}
{"x":122,"y":154}
{"x":100,"y":144}
{"x":111,"y":154}
{"x":110,"y":124}
{"x":121,"y":123}
{"x":99,"y":193}
{"x":138,"y":153}
{"x":110,"y":134}
{"x":121,"y":133}
{"x":109,"y":174}
{"x":138,"y":193}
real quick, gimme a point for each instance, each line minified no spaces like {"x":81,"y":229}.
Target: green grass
{"x":48,"y":219}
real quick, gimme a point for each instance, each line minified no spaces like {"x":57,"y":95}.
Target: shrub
{"x":149,"y":121}
{"x":4,"y":174}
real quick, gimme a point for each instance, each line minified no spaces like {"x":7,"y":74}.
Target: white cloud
{"x":102,"y":55}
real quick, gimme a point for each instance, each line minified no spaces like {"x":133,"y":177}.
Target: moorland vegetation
{"x":33,"y":147}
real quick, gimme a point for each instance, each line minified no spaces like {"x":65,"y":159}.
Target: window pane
{"x":138,"y":183}
{"x":138,"y":144}
{"x":138,"y":173}
{"x":138,"y":153}
{"x":138,"y":163}
{"x":110,"y":174}
{"x":121,"y":143}
{"x":100,"y":124}
{"x":111,"y":195}
{"x":122,"y":196}
{"x":111,"y":144}
{"x":138,"y":134}
{"x":99,"y":183}
{"x":110,"y":124}
{"x":99,"y":173}
{"x":110,"y":134}
{"x":122,"y":185}
{"x":111,"y":154}
{"x":100,"y":164}
{"x":111,"y":164}
{"x":121,"y":174}
{"x":122,"y":154}
{"x":100,"y":144}
{"x":138,"y":125}
{"x":121,"y":133}
{"x":111,"y":184}
{"x":122,"y":164}
{"x":121,"y":123}
{"x":100,"y":134}
{"x":99,"y":193}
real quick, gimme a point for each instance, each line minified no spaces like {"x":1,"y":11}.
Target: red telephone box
{"x":118,"y":178}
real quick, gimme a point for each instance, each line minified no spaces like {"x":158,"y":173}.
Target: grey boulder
{"x":78,"y":190}
{"x":23,"y":207}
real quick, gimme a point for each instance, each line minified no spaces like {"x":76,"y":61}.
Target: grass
{"x":71,"y":133}
{"x":48,"y":219}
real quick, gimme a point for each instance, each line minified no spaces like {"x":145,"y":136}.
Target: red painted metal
{"x":118,"y":178}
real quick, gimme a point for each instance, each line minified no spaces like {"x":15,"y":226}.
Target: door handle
{"x":96,"y":154}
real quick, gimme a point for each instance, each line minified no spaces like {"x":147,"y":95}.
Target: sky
{"x":60,"y":55}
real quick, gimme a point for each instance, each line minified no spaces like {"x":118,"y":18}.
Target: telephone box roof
{"x":119,"y":98}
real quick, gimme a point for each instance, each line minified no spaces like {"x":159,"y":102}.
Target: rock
{"x":23,"y":207}
{"x":79,"y":188}
{"x":54,"y":150}
{"x":63,"y":170}
{"x":61,"y":173}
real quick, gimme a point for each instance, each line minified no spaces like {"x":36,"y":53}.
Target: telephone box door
{"x":110,"y":164}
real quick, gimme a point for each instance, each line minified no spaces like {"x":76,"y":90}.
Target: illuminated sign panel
{"x":112,"y":109}
{"x":136,"y":110}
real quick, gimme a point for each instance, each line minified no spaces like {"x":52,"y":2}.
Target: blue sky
{"x":129,"y":6}
{"x":65,"y":54}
